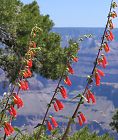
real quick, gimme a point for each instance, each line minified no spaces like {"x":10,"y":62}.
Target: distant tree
{"x":114,"y":123}
{"x":17,"y":21}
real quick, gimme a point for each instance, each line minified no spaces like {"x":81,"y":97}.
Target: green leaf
{"x":18,"y":130}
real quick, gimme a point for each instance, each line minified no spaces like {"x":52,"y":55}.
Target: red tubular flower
{"x":59,"y":104}
{"x":80,"y":121}
{"x":108,"y":36}
{"x":113,"y":14}
{"x":106,"y":47}
{"x":70,"y":70}
{"x":29,"y":63}
{"x":49,"y":126}
{"x":111,"y":35}
{"x":82,"y":117}
{"x":63,"y":92}
{"x":101,"y":73}
{"x":67,"y":81}
{"x":25,"y":74}
{"x":102,"y":63}
{"x":12,"y":111}
{"x":97,"y":78}
{"x":55,"y":107}
{"x":54,"y":122}
{"x":24,"y":85}
{"x":90,"y":96}
{"x":8,"y":129}
{"x":104,"y":60}
{"x":75,"y":59}
{"x":98,"y":73}
{"x":17,"y":100}
{"x":29,"y":72}
{"x":111,"y":26}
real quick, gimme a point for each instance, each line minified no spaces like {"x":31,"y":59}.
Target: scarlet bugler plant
{"x":96,"y":74}
{"x":12,"y":101}
{"x":71,"y":56}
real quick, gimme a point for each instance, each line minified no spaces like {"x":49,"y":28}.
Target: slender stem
{"x":64,"y":137}
{"x":6,"y":104}
{"x":19,"y":133}
{"x":103,"y":37}
{"x":11,"y":94}
{"x":49,"y":105}
{"x":5,"y":109}
{"x":4,"y":136}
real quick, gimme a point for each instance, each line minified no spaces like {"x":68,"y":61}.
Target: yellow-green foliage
{"x":82,"y":134}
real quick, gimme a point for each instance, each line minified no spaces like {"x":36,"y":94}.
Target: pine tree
{"x":17,"y":21}
{"x":114,"y":123}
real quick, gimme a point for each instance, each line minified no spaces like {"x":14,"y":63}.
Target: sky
{"x":76,"y":13}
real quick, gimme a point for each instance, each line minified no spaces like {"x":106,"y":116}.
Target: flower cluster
{"x":81,"y":118}
{"x":13,"y":100}
{"x":108,"y":37}
{"x":49,"y":125}
{"x":97,"y":73}
{"x":71,"y":56}
{"x":57,"y":104}
{"x":8,"y":129}
{"x":101,"y":60}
